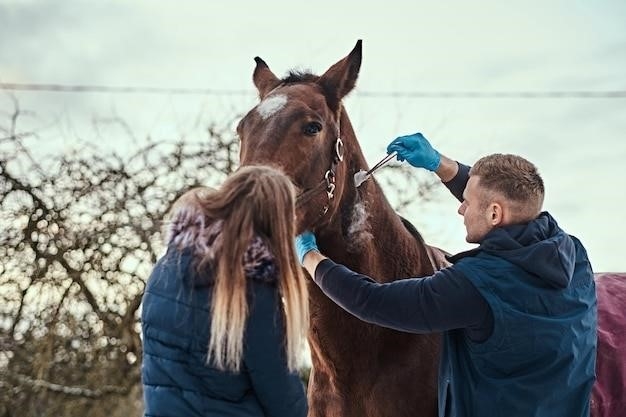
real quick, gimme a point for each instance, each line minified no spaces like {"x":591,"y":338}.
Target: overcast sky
{"x":579,"y":144}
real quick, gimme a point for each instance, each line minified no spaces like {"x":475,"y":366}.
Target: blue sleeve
{"x":457,"y":184}
{"x":444,"y":301}
{"x":280,"y":392}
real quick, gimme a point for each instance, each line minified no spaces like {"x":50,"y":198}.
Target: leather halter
{"x":330,"y":176}
{"x":330,"y":179}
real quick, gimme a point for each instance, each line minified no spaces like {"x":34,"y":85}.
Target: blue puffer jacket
{"x":540,"y":359}
{"x":177,"y":381}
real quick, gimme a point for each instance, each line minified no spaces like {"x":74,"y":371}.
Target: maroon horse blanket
{"x":609,"y":392}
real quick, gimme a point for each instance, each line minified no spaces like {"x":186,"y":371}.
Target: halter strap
{"x":330,"y":178}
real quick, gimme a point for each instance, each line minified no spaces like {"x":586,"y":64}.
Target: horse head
{"x":299,"y":126}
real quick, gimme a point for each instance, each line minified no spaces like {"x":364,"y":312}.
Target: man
{"x":518,"y":312}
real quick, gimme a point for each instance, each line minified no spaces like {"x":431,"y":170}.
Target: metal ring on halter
{"x":330,"y":190}
{"x":329,"y":176}
{"x":339,"y":149}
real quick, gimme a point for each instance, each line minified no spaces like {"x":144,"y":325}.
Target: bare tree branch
{"x":77,"y":391}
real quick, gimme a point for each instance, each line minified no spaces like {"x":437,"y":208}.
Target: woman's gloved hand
{"x":416,"y":150}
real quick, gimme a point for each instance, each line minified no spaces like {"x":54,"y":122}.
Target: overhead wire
{"x":74,"y":88}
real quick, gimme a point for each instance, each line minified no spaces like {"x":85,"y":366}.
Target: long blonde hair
{"x":253,"y":201}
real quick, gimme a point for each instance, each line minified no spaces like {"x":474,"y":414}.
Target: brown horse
{"x":300,"y":126}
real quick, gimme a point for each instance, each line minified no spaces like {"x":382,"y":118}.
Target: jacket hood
{"x":540,"y":247}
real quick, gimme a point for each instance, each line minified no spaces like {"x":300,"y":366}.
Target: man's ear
{"x":496,"y":214}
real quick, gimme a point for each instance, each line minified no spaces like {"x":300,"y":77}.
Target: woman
{"x":225,"y":311}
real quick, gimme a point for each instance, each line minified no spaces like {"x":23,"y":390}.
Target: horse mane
{"x":299,"y":76}
{"x":413,"y":230}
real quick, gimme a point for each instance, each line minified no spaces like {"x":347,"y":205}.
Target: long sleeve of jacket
{"x":457,"y":184}
{"x":444,"y":301}
{"x":280,"y":392}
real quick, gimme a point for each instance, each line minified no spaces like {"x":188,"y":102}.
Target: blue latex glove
{"x":305,"y":243}
{"x":416,"y":150}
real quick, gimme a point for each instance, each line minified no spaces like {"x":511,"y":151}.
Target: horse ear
{"x":263,"y":78}
{"x":341,"y":78}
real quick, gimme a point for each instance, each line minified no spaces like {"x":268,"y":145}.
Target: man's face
{"x":475,"y":211}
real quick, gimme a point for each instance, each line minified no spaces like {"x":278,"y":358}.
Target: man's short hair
{"x":514,"y":178}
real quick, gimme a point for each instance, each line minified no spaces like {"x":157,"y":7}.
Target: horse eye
{"x":312,"y":128}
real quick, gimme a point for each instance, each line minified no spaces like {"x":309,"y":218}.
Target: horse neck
{"x":365,"y":233}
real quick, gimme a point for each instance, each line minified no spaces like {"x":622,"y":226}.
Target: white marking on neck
{"x":271,"y":105}
{"x":359,"y":230}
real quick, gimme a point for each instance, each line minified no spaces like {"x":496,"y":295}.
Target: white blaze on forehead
{"x":271,"y":105}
